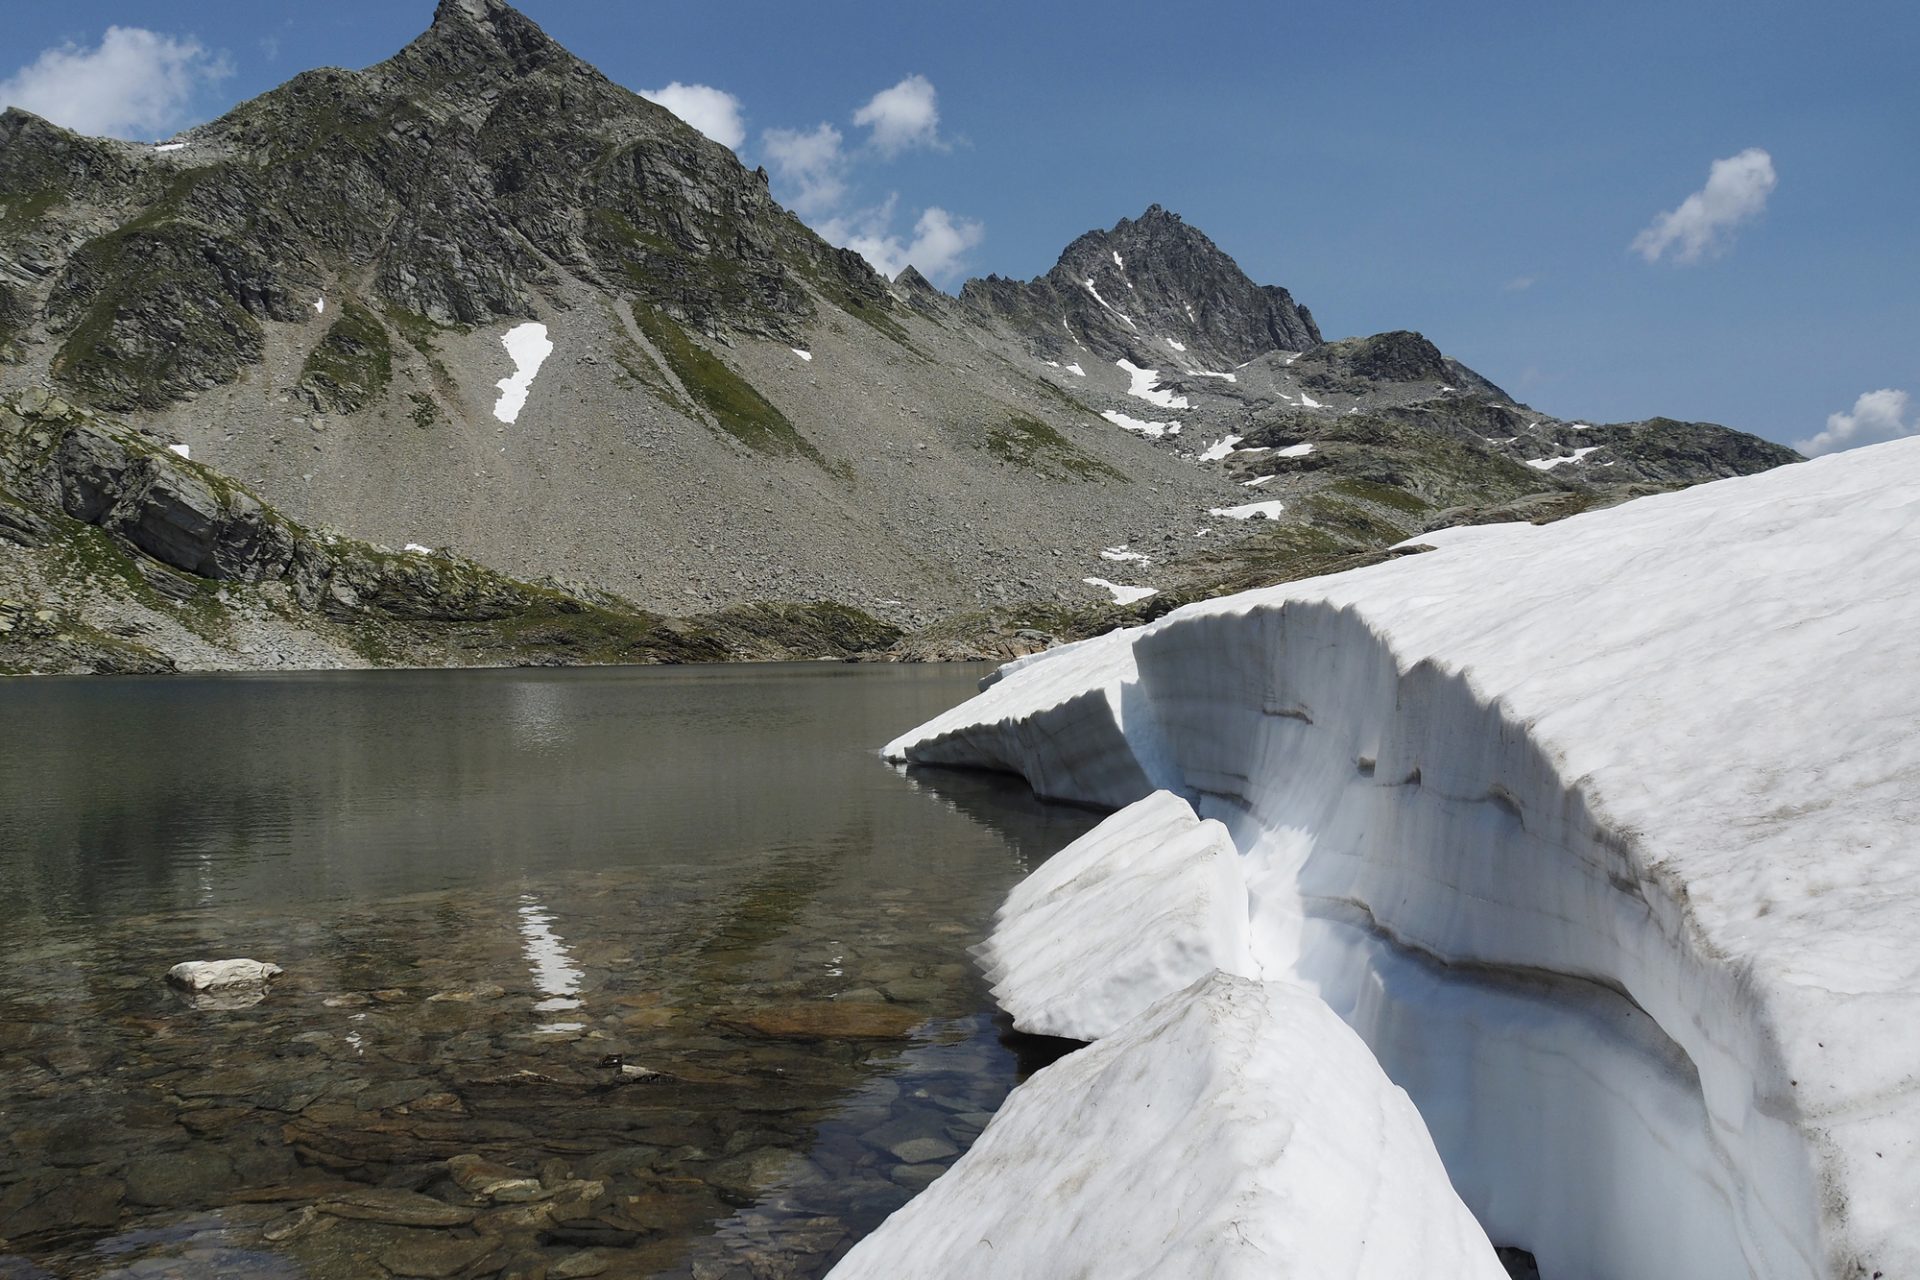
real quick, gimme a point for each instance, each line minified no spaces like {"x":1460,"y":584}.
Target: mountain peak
{"x":1147,"y":283}
{"x":468,"y":35}
{"x":461,"y":10}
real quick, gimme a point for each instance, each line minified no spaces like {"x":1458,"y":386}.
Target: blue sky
{"x":1476,"y":172}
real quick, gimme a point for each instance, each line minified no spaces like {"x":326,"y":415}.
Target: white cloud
{"x":810,"y":164}
{"x":1519,"y":284}
{"x":1876,"y":416}
{"x":714,"y":112}
{"x":1736,"y":192}
{"x":813,"y":171}
{"x":903,"y":117}
{"x":136,"y":84}
{"x":939,"y":244}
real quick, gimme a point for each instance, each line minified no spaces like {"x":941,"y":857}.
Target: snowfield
{"x":1600,"y":835}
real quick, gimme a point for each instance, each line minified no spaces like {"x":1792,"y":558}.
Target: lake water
{"x":620,"y":972}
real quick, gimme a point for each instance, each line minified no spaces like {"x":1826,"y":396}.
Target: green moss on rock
{"x":1028,"y":442}
{"x":352,"y":365}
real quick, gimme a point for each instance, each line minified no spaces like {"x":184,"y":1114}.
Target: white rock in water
{"x":208,"y":975}
{"x":1136,"y":909}
{"x":1237,"y":1129}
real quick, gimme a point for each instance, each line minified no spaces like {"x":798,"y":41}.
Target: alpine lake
{"x":599,"y":972}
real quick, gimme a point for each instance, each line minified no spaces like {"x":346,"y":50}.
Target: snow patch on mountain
{"x":527,"y":346}
{"x":1143,"y":384}
{"x":1250,"y":511}
{"x":1548,"y":464}
{"x":1109,"y":306}
{"x":1121,"y":593}
{"x":1129,"y":423}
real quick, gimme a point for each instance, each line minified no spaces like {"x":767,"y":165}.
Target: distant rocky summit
{"x":312,"y":296}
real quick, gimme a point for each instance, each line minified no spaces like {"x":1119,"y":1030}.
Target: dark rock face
{"x":172,"y":513}
{"x":1125,"y":292}
{"x":1360,"y":365}
{"x":1662,"y":451}
{"x":464,"y":178}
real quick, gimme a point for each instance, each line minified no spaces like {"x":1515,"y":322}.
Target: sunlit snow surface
{"x":1599,"y":833}
{"x":804,"y":355}
{"x":528,"y":347}
{"x":1234,"y":1131}
{"x":1060,"y":969}
{"x":181,"y":449}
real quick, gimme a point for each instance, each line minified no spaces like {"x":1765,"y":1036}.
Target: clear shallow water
{"x":622,"y":972}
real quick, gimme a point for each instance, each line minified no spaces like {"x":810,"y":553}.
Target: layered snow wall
{"x":1599,"y":834}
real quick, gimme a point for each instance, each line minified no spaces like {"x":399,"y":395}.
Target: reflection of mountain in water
{"x":1003,"y":803}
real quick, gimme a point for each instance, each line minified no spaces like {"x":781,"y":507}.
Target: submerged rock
{"x":213,"y":975}
{"x":396,"y":1208}
{"x":827,"y":1020}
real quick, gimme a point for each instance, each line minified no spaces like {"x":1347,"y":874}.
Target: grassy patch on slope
{"x":735,"y":406}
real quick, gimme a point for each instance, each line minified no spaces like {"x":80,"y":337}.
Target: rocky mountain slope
{"x":478,"y":296}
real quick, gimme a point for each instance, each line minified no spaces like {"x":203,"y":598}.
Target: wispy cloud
{"x":903,"y":117}
{"x":810,"y":165}
{"x":714,"y":112}
{"x":1736,"y":193}
{"x":134,"y":84}
{"x":1519,"y":284}
{"x":939,"y":243}
{"x":1876,"y":416}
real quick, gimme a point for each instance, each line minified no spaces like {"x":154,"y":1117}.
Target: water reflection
{"x":554,"y":974}
{"x":700,"y":875}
